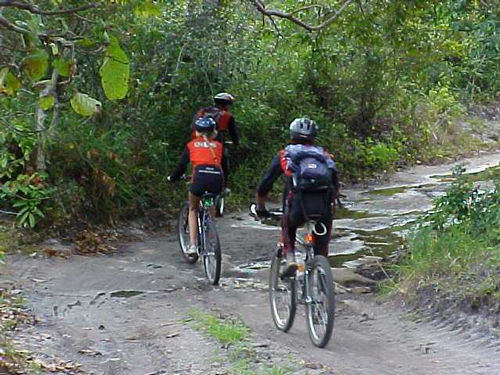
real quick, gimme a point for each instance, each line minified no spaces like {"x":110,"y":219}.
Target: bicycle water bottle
{"x":300,"y":258}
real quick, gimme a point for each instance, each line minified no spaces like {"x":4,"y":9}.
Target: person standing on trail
{"x":311,"y":187}
{"x":225,"y":122}
{"x":205,"y":154}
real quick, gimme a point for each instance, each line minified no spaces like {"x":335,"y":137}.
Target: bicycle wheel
{"x":219,"y":205}
{"x":183,"y":232}
{"x":282,"y":294}
{"x":320,"y":309}
{"x":212,"y":258}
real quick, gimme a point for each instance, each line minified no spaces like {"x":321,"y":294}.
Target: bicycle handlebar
{"x":273,"y":214}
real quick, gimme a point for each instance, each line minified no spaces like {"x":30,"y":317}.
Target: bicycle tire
{"x":323,"y":316}
{"x":282,"y":321}
{"x":211,"y":254}
{"x":220,"y":205}
{"x":183,"y":232}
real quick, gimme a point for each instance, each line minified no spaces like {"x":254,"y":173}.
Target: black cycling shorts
{"x":206,"y":178}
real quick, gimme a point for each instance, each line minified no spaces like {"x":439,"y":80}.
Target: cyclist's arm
{"x":181,"y":165}
{"x":266,"y":184}
{"x":231,"y":127}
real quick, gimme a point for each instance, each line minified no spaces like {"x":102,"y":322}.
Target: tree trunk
{"x":42,"y":132}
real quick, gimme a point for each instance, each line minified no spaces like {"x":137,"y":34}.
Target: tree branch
{"x":5,"y":23}
{"x":305,"y":8}
{"x":290,"y":16}
{"x":34,"y":9}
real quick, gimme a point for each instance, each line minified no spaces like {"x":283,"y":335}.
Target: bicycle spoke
{"x":211,"y":254}
{"x":320,"y":310}
{"x":183,"y":233}
{"x":282,"y":295}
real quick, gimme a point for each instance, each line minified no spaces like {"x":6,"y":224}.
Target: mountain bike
{"x":208,"y":240}
{"x":311,"y":286}
{"x":220,"y":200}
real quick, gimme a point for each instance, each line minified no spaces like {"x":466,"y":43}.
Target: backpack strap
{"x":216,"y":161}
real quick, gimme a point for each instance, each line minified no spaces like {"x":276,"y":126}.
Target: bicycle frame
{"x":203,"y":218}
{"x":303,"y":290}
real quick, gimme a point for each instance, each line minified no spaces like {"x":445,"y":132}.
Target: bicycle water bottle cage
{"x":208,"y":200}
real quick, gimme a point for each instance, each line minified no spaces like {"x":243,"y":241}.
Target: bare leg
{"x":211,"y":211}
{"x":194,"y":202}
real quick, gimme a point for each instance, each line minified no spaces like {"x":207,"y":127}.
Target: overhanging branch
{"x":4,"y":22}
{"x":34,"y":9}
{"x":259,"y":5}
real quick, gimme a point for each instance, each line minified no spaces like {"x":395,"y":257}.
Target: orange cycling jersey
{"x":204,"y":152}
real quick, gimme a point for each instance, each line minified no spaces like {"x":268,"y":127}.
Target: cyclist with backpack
{"x":205,"y":154}
{"x":311,"y":186}
{"x":224,"y":120}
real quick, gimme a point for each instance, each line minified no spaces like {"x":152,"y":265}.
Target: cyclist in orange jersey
{"x":205,"y":154}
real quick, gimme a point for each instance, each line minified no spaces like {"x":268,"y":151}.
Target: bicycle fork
{"x":306,"y":288}
{"x":201,"y":232}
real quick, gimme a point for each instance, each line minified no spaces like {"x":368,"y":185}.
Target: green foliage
{"x":63,"y":66}
{"x":460,"y":237}
{"x":147,"y":9}
{"x":226,"y":331}
{"x":46,"y":102}
{"x":9,"y":83}
{"x":35,"y":64}
{"x":384,"y":82}
{"x":27,"y":194}
{"x":115,"y":71}
{"x":85,"y":105}
{"x":476,"y":210}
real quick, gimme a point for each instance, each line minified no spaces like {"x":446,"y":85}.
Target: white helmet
{"x":223,"y":98}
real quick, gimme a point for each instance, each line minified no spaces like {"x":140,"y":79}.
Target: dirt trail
{"x":85,"y":315}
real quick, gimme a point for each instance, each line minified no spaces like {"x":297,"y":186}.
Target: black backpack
{"x":311,"y":185}
{"x":310,"y":171}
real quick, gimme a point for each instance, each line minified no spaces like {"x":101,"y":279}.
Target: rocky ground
{"x":131,"y":312}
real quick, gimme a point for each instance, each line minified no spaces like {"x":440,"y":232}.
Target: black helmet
{"x":223,"y":98}
{"x":205,"y":124}
{"x":303,"y":128}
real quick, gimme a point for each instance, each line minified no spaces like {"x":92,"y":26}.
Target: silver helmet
{"x":303,"y":128}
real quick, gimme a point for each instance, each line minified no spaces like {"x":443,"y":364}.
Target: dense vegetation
{"x":95,"y":104}
{"x":454,"y":257}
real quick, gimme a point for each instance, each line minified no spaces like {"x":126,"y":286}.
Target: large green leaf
{"x":46,"y":102}
{"x":85,"y":105}
{"x":8,"y":82}
{"x":147,"y":9}
{"x":63,"y":66}
{"x":115,"y":71}
{"x":35,"y":65}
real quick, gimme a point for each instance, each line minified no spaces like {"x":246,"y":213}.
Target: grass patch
{"x":453,"y":258}
{"x":226,"y":331}
{"x":451,"y":261}
{"x":245,"y":360}
{"x":233,"y":334}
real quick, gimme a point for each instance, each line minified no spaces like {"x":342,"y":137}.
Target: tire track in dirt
{"x":76,"y":302}
{"x":368,"y":338}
